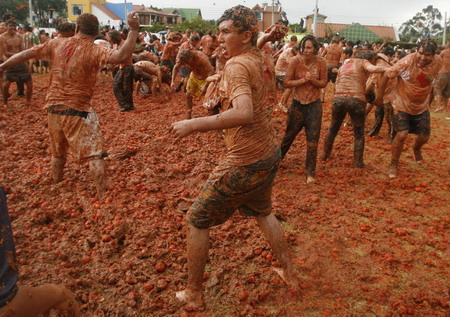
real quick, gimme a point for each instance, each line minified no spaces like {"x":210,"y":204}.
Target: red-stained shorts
{"x":81,"y":135}
{"x":247,"y":188}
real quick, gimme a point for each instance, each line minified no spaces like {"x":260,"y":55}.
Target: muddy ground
{"x":365,"y":245}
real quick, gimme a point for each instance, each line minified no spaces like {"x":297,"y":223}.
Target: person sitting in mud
{"x":244,"y":179}
{"x":413,"y":76}
{"x":12,"y":43}
{"x":350,"y":98}
{"x":72,"y":122}
{"x":150,"y":74}
{"x":26,"y":300}
{"x":200,"y":68}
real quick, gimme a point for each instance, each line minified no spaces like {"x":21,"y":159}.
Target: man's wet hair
{"x":348,"y":51}
{"x":389,"y":51}
{"x":244,"y":19}
{"x":194,"y":38}
{"x":428,"y":45}
{"x":294,"y":38}
{"x":114,"y":36}
{"x":312,"y":39}
{"x":100,"y":37}
{"x":65,"y":27}
{"x":88,"y":24}
{"x":335,"y":39}
{"x":369,"y":55}
{"x":12,"y":22}
{"x":125,"y":31}
{"x":185,"y":55}
{"x":29,"y":28}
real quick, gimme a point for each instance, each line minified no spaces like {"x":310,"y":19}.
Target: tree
{"x":424,"y":24}
{"x":45,"y":9}
{"x":196,"y":24}
{"x":18,"y":8}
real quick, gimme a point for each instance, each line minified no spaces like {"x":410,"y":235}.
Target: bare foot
{"x":418,"y":156}
{"x":393,"y":171}
{"x":192,"y":301}
{"x":310,"y":179}
{"x":288,"y":277}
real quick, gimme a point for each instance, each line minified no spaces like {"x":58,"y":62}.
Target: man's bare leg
{"x":34,"y":301}
{"x":197,"y":254}
{"x":58,"y":164}
{"x":189,"y":105}
{"x":29,"y":91}
{"x":440,"y":103}
{"x":275,"y":234}
{"x":417,"y":147}
{"x":5,"y":92}
{"x":397,"y":148}
{"x":97,"y":168}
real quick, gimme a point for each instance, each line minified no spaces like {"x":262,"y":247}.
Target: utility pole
{"x":126,"y":12}
{"x":30,"y":10}
{"x":444,"y":37}
{"x":315,"y":18}
{"x":273,"y":11}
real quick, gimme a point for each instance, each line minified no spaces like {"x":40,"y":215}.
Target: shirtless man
{"x":332,"y":54}
{"x":25,"y":300}
{"x":413,"y":77}
{"x":244,"y":179}
{"x":193,"y":45}
{"x":12,"y":43}
{"x":170,"y":52}
{"x":72,"y":122}
{"x":280,"y":72}
{"x":123,"y":81}
{"x":207,"y":43}
{"x":150,"y":74}
{"x":200,"y":68}
{"x":441,"y":88}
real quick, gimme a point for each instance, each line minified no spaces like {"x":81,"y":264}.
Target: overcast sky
{"x":371,"y":12}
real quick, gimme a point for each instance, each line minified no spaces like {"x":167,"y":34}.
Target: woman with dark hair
{"x":350,"y":98}
{"x":306,"y":75}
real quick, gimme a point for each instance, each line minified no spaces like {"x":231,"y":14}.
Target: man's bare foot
{"x":288,"y":277}
{"x":393,"y":171}
{"x":192,"y":300}
{"x":418,"y":156}
{"x":310,"y":179}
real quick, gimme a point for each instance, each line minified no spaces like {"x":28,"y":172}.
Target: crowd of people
{"x":236,"y":73}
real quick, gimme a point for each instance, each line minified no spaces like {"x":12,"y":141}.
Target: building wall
{"x":81,"y":6}
{"x":267,"y":19}
{"x":104,"y":19}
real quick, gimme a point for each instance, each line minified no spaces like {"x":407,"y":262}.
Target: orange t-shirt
{"x":413,"y":84}
{"x":248,"y":74}
{"x":308,"y":93}
{"x":333,"y":54}
{"x":352,"y":78}
{"x":75,"y":65}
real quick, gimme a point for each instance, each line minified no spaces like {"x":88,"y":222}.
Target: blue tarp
{"x":119,"y":9}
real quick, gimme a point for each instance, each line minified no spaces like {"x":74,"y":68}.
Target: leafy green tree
{"x":196,"y":24}
{"x":18,"y":8}
{"x":44,"y":9}
{"x":297,"y":28}
{"x":424,"y":24}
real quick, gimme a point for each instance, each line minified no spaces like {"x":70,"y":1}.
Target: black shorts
{"x":18,"y":73}
{"x":332,"y":76}
{"x":415,"y":124}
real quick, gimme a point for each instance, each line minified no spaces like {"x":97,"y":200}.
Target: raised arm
{"x":17,"y":59}
{"x":126,"y":50}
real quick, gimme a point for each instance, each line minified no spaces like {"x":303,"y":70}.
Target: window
{"x":169,"y":20}
{"x":259,"y":15}
{"x":77,"y":9}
